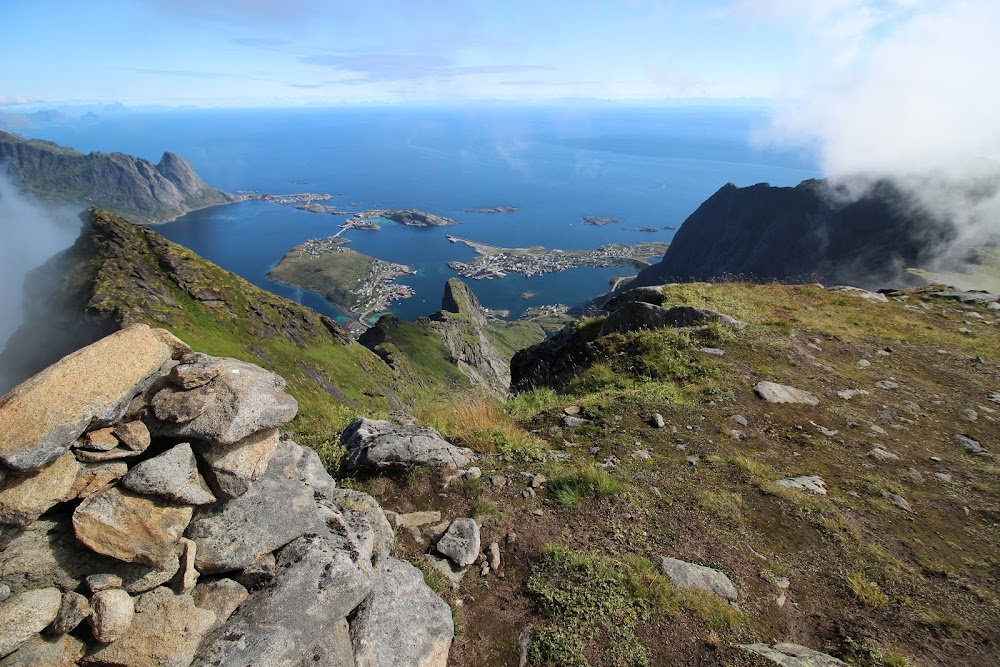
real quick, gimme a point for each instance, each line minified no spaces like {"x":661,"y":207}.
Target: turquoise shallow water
{"x":651,"y":168}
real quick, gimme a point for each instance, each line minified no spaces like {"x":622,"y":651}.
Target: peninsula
{"x":496,"y":262}
{"x":356,"y":284}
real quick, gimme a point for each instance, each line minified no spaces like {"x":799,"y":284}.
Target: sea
{"x":648,"y":167}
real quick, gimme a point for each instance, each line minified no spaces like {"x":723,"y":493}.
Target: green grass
{"x":335,"y":275}
{"x":590,"y":601}
{"x":866,"y":591}
{"x":568,"y":488}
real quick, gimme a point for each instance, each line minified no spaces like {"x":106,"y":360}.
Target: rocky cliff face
{"x":802,"y":234}
{"x":458,"y":343}
{"x":150,"y":514}
{"x":127,"y":185}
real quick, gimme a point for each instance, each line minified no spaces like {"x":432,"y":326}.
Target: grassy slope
{"x":334,"y":275}
{"x":218,"y":313}
{"x":870,"y":582}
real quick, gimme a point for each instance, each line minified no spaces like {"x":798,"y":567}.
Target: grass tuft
{"x":569,"y":488}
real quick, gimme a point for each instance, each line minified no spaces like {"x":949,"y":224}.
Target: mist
{"x":904,"y":91}
{"x":30,"y":233}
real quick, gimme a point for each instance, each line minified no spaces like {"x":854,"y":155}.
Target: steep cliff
{"x":126,"y":185}
{"x":803,"y":234}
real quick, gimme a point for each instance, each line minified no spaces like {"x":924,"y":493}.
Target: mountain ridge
{"x":127,"y":185}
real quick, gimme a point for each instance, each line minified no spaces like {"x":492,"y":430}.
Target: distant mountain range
{"x":810,"y":232}
{"x":127,"y":185}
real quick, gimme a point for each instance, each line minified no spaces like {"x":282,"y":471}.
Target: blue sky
{"x":293,"y":52}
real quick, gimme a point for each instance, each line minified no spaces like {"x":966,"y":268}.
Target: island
{"x":356,"y":284}
{"x":648,"y":230}
{"x":594,"y":220}
{"x":496,"y":262}
{"x":410,"y":217}
{"x":495,"y":209}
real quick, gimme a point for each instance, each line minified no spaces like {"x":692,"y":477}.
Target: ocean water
{"x":648,"y":167}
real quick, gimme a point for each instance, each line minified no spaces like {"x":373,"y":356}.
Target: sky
{"x":869,"y":84}
{"x":294,"y":52}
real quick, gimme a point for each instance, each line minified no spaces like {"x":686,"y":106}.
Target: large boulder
{"x":367,"y":521}
{"x":130,"y":527}
{"x":43,"y":416}
{"x":278,"y":508}
{"x":239,"y":401}
{"x":377,"y":444}
{"x":639,"y":315}
{"x":25,"y":498}
{"x":652,"y":295}
{"x":164,"y":632}
{"x":276,"y":626}
{"x":403,"y":622}
{"x":691,"y":575}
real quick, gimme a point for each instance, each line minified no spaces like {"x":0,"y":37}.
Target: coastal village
{"x":496,"y":262}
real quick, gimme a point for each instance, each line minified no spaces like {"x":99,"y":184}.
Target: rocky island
{"x":496,"y":262}
{"x":597,"y":221}
{"x":410,"y":217}
{"x":495,"y":209}
{"x":357,"y":284}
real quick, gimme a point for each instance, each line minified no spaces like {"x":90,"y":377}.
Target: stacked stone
{"x":152,"y":515}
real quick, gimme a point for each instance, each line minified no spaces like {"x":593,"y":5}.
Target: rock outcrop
{"x":467,"y":345}
{"x":133,"y":546}
{"x":376,"y":444}
{"x":127,"y":185}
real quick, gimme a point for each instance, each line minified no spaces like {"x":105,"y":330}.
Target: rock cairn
{"x":151,"y":514}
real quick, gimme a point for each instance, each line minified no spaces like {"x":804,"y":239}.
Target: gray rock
{"x":165,"y":631}
{"x":364,"y":516}
{"x":860,"y":293}
{"x":172,"y":475}
{"x":494,"y":556}
{"x":968,"y":444}
{"x":4,"y":592}
{"x":221,"y":597}
{"x":772,"y":392}
{"x":714,"y":351}
{"x":965,"y":297}
{"x":848,"y":394}
{"x":897,"y":500}
{"x":274,"y":627}
{"x":101,"y":582}
{"x":402,"y":622}
{"x":281,"y":506}
{"x":887,"y":384}
{"x":111,"y":615}
{"x":233,"y":468}
{"x":656,"y":420}
{"x":47,"y":553}
{"x":741,"y":420}
{"x":24,"y":615}
{"x":377,"y":444}
{"x":461,"y":542}
{"x":651,"y":295}
{"x":451,"y":572}
{"x":793,"y":655}
{"x":882,"y":454}
{"x":690,"y":575}
{"x":636,"y":316}
{"x":240,"y":401}
{"x":810,"y":483}
{"x":258,"y":573}
{"x":73,"y":611}
{"x":569,"y":421}
{"x":40,"y":651}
